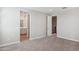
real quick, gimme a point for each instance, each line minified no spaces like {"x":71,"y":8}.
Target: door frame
{"x":47,"y":24}
{"x":28,"y":24}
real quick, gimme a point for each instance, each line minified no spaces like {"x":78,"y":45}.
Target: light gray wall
{"x":49,"y":25}
{"x":9,"y":25}
{"x":68,"y":25}
{"x":37,"y":25}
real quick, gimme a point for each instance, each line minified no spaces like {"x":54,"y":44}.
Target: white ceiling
{"x":50,"y":10}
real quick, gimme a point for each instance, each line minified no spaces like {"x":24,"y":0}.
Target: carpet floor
{"x":44,"y":44}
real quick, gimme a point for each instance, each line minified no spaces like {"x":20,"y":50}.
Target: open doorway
{"x":24,"y":26}
{"x":54,"y":24}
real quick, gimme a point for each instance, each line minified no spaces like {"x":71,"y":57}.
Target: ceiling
{"x":51,"y":10}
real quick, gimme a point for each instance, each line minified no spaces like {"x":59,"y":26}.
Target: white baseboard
{"x":2,"y":45}
{"x":37,"y":37}
{"x":76,"y":40}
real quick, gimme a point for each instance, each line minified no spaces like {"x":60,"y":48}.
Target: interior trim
{"x":76,"y":40}
{"x":3,"y":45}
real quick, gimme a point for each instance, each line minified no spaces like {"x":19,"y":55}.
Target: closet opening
{"x":54,"y":24}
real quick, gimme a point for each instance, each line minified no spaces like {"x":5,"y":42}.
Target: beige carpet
{"x":44,"y":44}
